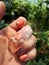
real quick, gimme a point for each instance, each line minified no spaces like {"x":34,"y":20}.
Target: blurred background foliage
{"x":38,"y":18}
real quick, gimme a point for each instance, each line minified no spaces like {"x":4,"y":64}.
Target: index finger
{"x":18,"y":23}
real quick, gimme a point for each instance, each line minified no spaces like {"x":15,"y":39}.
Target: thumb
{"x":18,"y":23}
{"x":2,"y":9}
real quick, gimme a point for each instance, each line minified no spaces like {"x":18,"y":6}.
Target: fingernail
{"x":20,"y":51}
{"x":24,"y":57}
{"x":21,"y":21}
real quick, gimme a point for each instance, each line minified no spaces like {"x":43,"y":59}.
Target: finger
{"x":29,"y":44}
{"x":23,"y":47}
{"x":18,"y":23}
{"x":29,"y":56}
{"x":2,"y":9}
{"x":8,"y":31}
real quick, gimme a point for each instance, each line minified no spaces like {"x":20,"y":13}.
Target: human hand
{"x":11,"y":57}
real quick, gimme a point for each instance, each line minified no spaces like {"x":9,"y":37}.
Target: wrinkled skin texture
{"x":6,"y":57}
{"x":2,"y":48}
